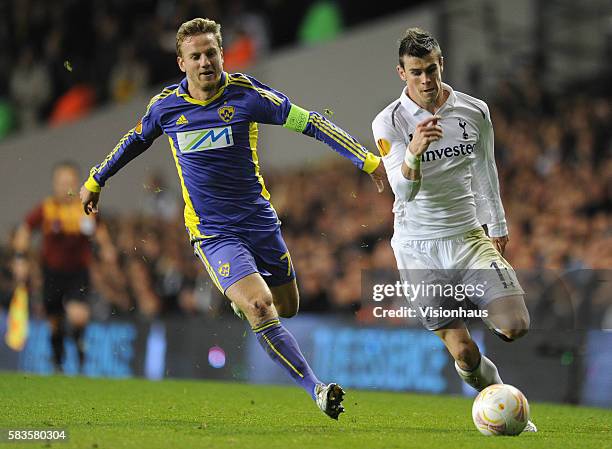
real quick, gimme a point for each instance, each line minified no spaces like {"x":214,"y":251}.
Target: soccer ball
{"x":500,"y":409}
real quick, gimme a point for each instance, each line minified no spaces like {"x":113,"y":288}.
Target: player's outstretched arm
{"x":272,"y":106}
{"x":132,"y":144}
{"x":315,"y":125}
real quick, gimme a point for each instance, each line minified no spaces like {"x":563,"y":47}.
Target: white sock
{"x":482,"y":376}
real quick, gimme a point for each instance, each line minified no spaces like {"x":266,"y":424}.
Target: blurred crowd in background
{"x":553,"y":154}
{"x":556,"y":179}
{"x":68,"y":56}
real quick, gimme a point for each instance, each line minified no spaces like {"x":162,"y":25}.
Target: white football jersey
{"x":459,"y":189}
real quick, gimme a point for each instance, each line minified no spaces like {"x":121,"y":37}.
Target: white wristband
{"x":413,"y":162}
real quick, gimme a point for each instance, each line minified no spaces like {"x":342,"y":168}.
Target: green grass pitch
{"x":135,"y":413}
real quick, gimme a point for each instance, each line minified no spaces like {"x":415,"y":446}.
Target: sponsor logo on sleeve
{"x":383,"y":147}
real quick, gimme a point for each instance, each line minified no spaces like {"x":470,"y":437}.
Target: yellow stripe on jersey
{"x":341,"y":133}
{"x":253,"y":133}
{"x":191,"y":219}
{"x":160,"y":96}
{"x":340,"y":137}
{"x":288,"y":257}
{"x":110,"y":155}
{"x":239,"y":77}
{"x":270,"y":96}
{"x":163,"y":94}
{"x":203,"y":102}
{"x":209,"y":268}
{"x":241,"y":80}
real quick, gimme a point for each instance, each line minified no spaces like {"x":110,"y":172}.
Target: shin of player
{"x":507,"y":318}
{"x":254,"y":298}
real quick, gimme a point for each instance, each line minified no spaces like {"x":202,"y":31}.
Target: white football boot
{"x":329,"y":399}
{"x":530,"y":427}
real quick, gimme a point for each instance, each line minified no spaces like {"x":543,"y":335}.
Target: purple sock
{"x":281,"y":346}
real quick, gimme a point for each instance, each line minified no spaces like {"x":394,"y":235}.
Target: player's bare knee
{"x":513,"y":334}
{"x":519,"y":328}
{"x":259,"y":305}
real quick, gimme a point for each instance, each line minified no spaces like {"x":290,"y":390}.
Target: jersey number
{"x":500,"y":274}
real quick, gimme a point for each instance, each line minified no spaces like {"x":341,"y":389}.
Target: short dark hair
{"x":418,"y":43}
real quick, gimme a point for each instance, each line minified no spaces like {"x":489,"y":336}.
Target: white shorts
{"x":445,"y":271}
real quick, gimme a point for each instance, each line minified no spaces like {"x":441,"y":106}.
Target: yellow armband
{"x":297,"y":119}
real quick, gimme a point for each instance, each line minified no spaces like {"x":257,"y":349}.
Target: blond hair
{"x":197,"y":26}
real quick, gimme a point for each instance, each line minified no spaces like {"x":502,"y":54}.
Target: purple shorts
{"x":232,"y":256}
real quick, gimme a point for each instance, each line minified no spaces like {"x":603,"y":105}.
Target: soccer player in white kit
{"x":437,"y":147}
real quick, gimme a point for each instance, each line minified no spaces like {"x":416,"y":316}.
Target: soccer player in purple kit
{"x":211,"y":119}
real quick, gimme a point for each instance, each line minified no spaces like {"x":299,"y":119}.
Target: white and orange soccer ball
{"x":500,"y":409}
